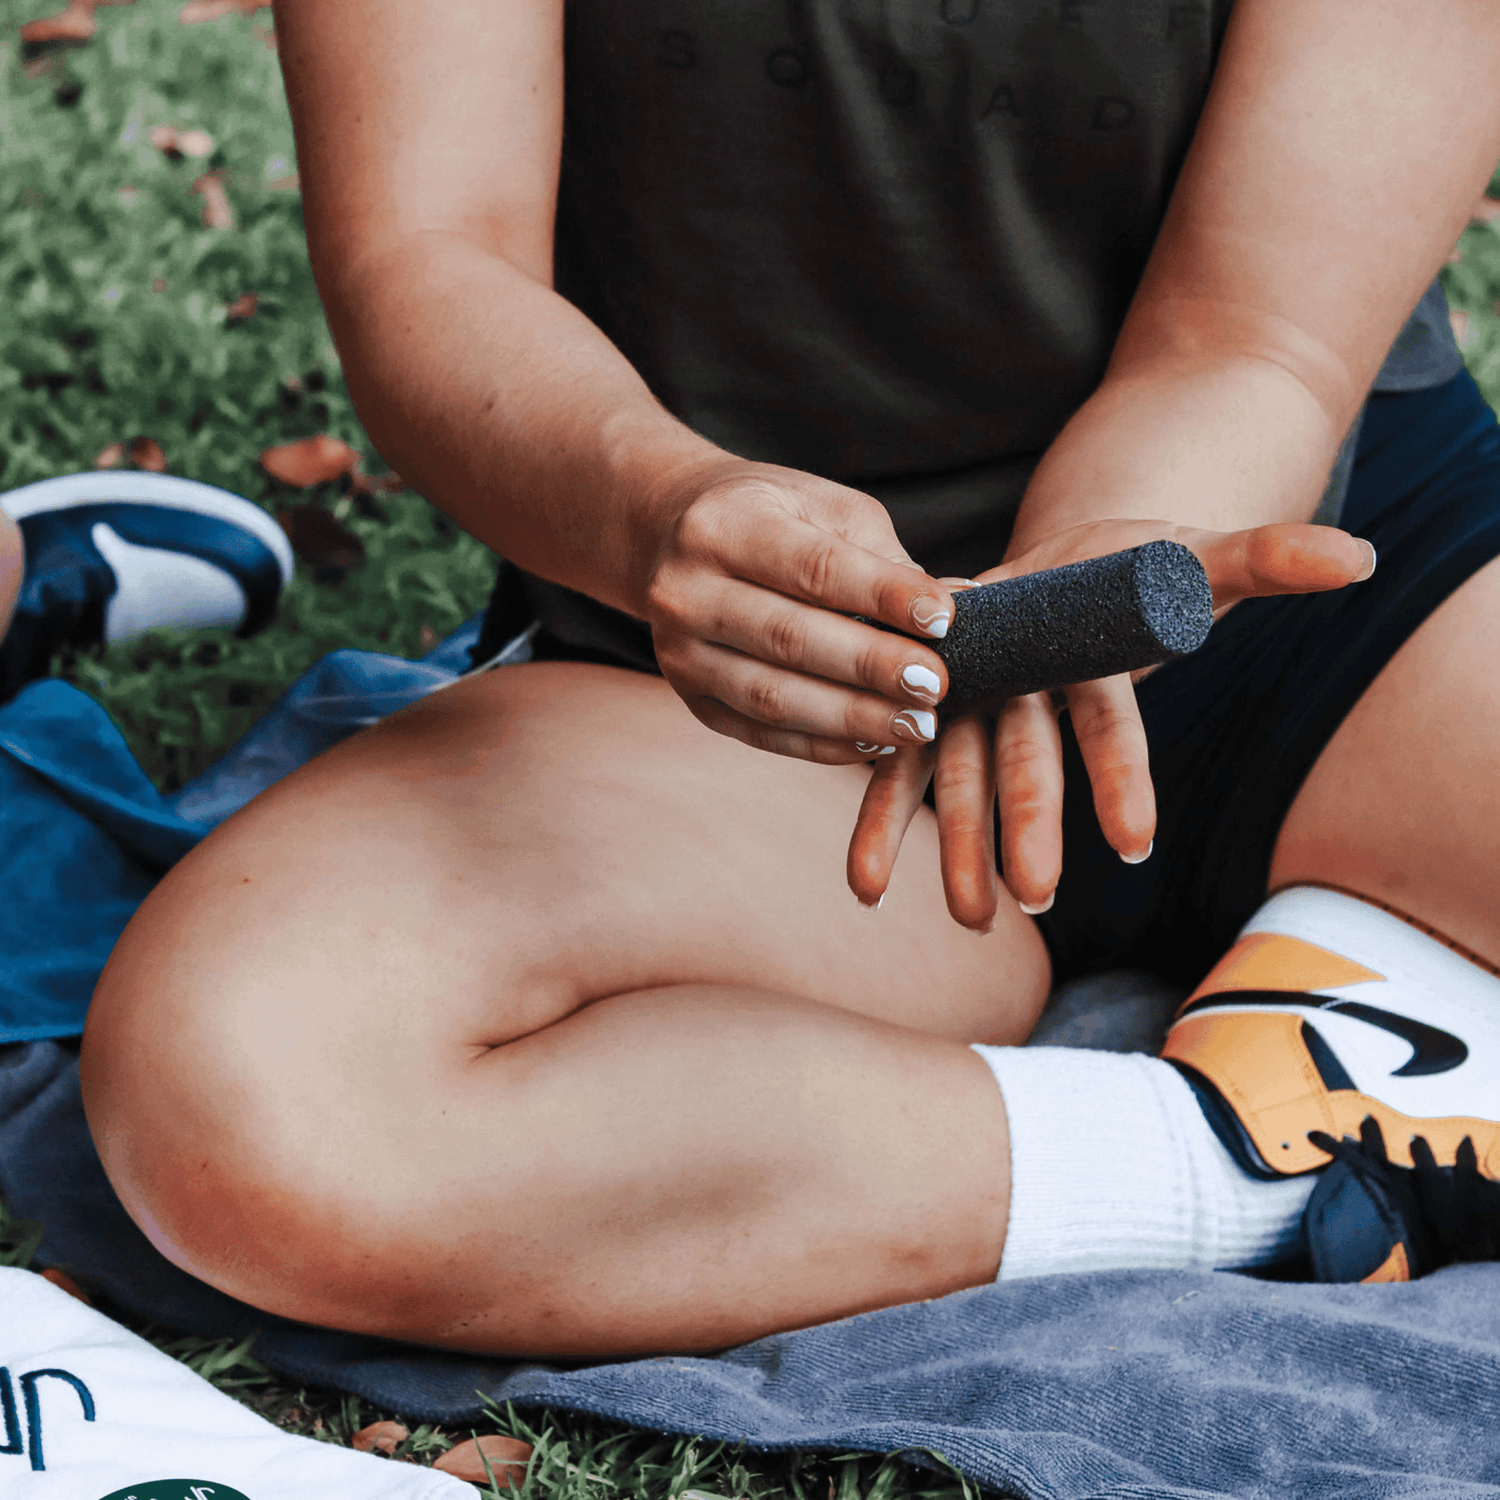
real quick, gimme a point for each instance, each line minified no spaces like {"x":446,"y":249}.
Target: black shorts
{"x":1235,"y":728}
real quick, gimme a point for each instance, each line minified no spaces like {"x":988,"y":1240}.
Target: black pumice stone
{"x":1085,"y":620}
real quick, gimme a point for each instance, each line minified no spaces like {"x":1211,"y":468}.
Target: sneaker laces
{"x":1453,"y":1213}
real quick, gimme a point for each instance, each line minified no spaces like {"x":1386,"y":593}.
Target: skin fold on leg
{"x":1403,"y":805}
{"x":538,"y":1020}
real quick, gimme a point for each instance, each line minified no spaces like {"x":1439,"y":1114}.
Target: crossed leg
{"x":538,"y":1020}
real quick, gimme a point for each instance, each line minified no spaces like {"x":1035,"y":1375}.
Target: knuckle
{"x":766,"y":697}
{"x":816,"y":568}
{"x":784,"y":637}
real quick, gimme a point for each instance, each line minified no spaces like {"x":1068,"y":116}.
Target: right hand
{"x":750,"y":596}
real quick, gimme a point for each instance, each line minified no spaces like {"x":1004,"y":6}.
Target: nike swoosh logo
{"x":1432,"y":1049}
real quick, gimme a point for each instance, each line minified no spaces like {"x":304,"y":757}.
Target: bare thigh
{"x":1404,"y":804}
{"x":540,"y":1018}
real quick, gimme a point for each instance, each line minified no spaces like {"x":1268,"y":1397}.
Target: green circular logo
{"x":177,"y":1489}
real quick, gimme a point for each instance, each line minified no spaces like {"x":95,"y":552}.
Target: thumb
{"x":1286,"y":558}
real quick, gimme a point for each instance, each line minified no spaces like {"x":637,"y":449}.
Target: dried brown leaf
{"x":75,"y":24}
{"x":64,"y":1282}
{"x":311,"y":461}
{"x":146,"y":453}
{"x":217,"y":213}
{"x":379,"y":1437}
{"x":320,"y":538}
{"x":111,"y":457}
{"x":507,"y":1459}
{"x":375,"y":484}
{"x":176,"y":144}
{"x":242,"y":309}
{"x":195,"y":12}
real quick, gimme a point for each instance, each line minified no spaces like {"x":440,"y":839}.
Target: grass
{"x":115,"y":325}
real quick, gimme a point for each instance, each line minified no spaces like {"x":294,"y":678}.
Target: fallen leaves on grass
{"x":379,"y":1437}
{"x":507,"y":1458}
{"x":291,"y":184}
{"x":174,"y":144}
{"x":217,"y":212}
{"x":313,"y":460}
{"x":75,"y":24}
{"x":196,"y":12}
{"x":242,"y":309}
{"x":320,"y":538}
{"x":64,"y":1282}
{"x":139,"y":453}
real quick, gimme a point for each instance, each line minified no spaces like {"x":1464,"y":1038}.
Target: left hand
{"x":1017,"y":761}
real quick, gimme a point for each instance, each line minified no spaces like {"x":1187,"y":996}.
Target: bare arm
{"x":429,"y":141}
{"x":1334,"y":166}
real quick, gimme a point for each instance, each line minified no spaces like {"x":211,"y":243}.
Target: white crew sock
{"x":1113,"y":1165}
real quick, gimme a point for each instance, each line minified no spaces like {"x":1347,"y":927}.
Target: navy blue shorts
{"x":1235,"y":728}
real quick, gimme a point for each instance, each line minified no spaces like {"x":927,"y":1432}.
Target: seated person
{"x":540,"y":1019}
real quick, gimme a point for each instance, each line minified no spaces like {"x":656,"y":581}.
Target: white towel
{"x":88,"y":1411}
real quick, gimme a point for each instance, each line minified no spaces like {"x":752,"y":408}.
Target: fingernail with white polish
{"x":1039,"y":908}
{"x":887,"y":750}
{"x":930,"y":617}
{"x":865,"y":749}
{"x":1139,"y":859}
{"x":919,"y":723}
{"x":1369,"y":562}
{"x":871,"y":905}
{"x":921,"y":683}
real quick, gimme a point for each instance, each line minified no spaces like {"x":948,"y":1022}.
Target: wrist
{"x":1221,"y":441}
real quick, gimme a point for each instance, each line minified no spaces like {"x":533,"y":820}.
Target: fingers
{"x":761,"y":653}
{"x":965,"y":796}
{"x":722,"y":719}
{"x":1112,"y":741}
{"x":1029,"y":782}
{"x":791,"y":702}
{"x":897,"y":786}
{"x":813,"y":561}
{"x":1287,"y":558}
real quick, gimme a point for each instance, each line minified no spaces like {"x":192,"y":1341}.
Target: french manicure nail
{"x":921,"y":682}
{"x":1370,"y":562}
{"x":920,"y":723}
{"x":931,"y":617}
{"x":1139,"y":859}
{"x":1039,"y":908}
{"x":871,"y":905}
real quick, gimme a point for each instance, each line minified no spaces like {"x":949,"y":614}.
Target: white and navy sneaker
{"x":109,"y":556}
{"x":1336,"y":1031}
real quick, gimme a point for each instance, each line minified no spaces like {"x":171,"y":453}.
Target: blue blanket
{"x":1134,"y":1384}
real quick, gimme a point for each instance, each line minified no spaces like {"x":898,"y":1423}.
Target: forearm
{"x":511,"y":411}
{"x":1332,"y":170}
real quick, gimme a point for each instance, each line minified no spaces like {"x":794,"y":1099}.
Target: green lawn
{"x":114,"y":326}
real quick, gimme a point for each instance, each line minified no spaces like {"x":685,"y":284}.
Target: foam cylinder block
{"x":1089,"y":619}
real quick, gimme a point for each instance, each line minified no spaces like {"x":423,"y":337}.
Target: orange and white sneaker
{"x":1337,"y":1032}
